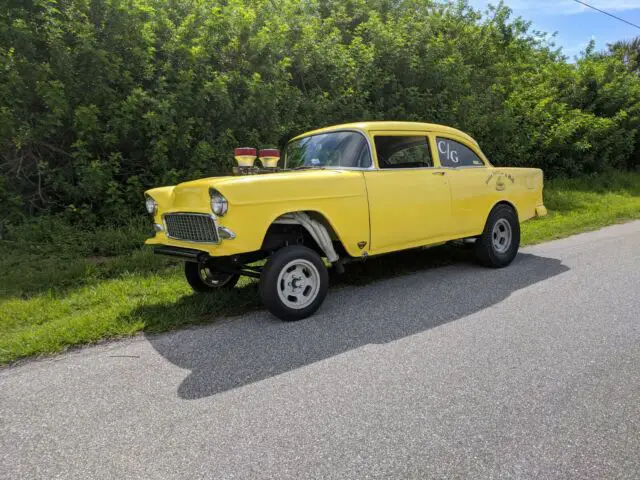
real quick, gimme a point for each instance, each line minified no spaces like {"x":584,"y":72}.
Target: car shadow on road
{"x":256,"y":347}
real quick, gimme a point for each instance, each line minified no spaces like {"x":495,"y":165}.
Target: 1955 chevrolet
{"x":344,"y":193}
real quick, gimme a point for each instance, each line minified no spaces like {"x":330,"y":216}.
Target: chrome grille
{"x":191,"y":227}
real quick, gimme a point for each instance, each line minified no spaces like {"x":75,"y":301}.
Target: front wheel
{"x":498,"y":245}
{"x":205,"y":279}
{"x":294,"y":283}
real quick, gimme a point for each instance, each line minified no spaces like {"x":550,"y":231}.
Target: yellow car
{"x":344,"y":193}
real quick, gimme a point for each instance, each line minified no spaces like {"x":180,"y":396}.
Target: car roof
{"x":391,"y":126}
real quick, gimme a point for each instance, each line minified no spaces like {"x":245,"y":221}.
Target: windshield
{"x":334,"y":149}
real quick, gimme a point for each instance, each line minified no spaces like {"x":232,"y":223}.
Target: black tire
{"x":204,"y":279}
{"x":487,"y":247}
{"x":283,"y":262}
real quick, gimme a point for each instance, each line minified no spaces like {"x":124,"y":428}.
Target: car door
{"x":467,"y":172}
{"x":409,"y":199}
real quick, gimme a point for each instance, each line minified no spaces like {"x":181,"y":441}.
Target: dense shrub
{"x":51,"y":236}
{"x":103,"y":98}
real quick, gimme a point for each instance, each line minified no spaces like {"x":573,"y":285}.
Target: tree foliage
{"x":628,"y":51}
{"x":103,"y":98}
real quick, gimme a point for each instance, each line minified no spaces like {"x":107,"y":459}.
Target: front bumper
{"x":186,"y":254}
{"x":235,"y":264}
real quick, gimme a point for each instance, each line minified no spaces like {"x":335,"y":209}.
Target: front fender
{"x":347,"y":217}
{"x":256,"y":201}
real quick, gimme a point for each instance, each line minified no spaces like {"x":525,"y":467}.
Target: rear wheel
{"x":294,"y":283}
{"x":203,"y":278}
{"x":498,"y":245}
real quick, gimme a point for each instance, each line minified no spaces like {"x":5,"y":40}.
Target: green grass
{"x":58,"y":293}
{"x":578,"y":205}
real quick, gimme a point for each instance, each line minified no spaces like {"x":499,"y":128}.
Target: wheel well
{"x":508,"y":204}
{"x":279,"y":235}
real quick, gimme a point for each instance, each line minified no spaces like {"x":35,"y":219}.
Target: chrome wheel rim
{"x":501,"y":236}
{"x":298,"y":284}
{"x":214,"y":279}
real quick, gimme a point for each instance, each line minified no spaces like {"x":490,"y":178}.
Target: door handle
{"x":438,"y":173}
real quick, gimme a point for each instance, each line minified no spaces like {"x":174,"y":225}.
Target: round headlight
{"x":151,"y":205}
{"x":219,"y":204}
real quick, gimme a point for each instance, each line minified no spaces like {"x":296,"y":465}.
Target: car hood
{"x":259,"y":188}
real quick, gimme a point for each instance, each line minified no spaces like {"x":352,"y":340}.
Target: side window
{"x":364,"y":157}
{"x":455,"y":154}
{"x":403,"y":151}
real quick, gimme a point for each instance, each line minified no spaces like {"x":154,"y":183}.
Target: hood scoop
{"x":246,"y":158}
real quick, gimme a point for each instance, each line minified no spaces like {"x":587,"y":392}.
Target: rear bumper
{"x":541,"y":211}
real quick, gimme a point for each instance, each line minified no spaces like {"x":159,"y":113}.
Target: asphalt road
{"x":532,"y":371}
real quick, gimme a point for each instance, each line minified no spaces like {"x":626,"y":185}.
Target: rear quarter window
{"x":454,"y":154}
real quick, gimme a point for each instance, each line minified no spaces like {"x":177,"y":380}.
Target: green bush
{"x":104,"y":98}
{"x":50,"y":235}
